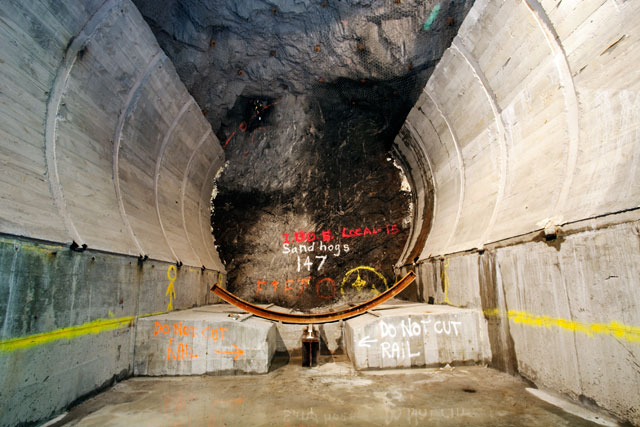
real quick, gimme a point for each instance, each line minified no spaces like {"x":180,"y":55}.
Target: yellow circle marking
{"x":172,"y":268}
{"x":359,"y":283}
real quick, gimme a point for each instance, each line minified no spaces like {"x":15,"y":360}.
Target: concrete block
{"x":461,"y":283}
{"x":203,"y":341}
{"x":418,"y":335}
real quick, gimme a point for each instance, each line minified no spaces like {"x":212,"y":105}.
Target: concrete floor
{"x":332,"y":394}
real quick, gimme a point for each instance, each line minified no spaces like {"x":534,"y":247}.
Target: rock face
{"x":306,"y":97}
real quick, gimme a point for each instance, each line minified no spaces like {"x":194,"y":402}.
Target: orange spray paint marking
{"x":288,"y":288}
{"x":229,"y":139}
{"x":304,"y":282}
{"x":259,"y":286}
{"x":184,"y":352}
{"x":253,"y":134}
{"x":333,"y":288}
{"x":160,"y":328}
{"x":237,"y":353}
{"x":214,"y":333}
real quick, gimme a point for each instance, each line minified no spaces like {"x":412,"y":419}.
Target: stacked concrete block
{"x":420,"y":335}
{"x":203,"y":341}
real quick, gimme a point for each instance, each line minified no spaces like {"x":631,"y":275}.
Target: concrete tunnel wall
{"x":128,"y":160}
{"x":101,"y":145}
{"x":530,"y":126}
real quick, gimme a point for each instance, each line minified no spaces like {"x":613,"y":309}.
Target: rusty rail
{"x":315,"y":318}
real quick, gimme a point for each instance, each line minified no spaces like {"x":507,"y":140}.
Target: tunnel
{"x":306,"y":156}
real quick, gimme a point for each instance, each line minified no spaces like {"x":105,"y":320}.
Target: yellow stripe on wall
{"x":94,"y":327}
{"x":615,"y":329}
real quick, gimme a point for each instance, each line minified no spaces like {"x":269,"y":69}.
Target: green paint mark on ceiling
{"x":432,"y":17}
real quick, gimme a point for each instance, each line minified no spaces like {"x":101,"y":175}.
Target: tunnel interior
{"x":312,"y":188}
{"x":305,"y":156}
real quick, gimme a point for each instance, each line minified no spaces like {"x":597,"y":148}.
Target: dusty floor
{"x":332,"y":394}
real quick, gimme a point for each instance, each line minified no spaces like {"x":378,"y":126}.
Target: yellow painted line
{"x":614,"y":329}
{"x":94,"y":327}
{"x":444,"y":278}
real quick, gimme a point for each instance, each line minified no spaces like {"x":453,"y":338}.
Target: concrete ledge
{"x":418,"y":335}
{"x":203,"y":340}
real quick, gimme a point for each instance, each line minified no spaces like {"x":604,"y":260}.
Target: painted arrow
{"x":237,"y":353}
{"x":364,"y":342}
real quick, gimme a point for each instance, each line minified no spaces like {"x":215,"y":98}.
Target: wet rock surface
{"x":307,"y":97}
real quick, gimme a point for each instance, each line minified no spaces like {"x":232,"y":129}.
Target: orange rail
{"x":315,"y":318}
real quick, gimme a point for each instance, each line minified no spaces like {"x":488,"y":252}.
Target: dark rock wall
{"x":284,"y":198}
{"x":306,"y":98}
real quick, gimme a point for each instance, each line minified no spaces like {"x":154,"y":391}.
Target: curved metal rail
{"x":315,"y":318}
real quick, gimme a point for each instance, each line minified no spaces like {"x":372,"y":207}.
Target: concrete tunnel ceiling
{"x":313,"y":165}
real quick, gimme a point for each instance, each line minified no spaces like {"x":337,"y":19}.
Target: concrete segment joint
{"x":570,"y":97}
{"x":458,"y":45}
{"x":53,"y":106}
{"x":127,"y":109}
{"x":163,"y":148}
{"x":461,"y":169}
{"x":184,"y":186}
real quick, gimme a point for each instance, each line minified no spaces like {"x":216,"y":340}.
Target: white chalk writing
{"x":393,"y":337}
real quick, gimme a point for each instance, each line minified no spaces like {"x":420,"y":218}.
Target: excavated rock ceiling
{"x":306,"y":97}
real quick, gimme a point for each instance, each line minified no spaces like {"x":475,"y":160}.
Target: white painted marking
{"x":387,"y":330}
{"x":385,"y":346}
{"x":365,"y":341}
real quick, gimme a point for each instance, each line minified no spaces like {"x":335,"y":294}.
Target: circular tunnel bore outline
{"x":373,"y":288}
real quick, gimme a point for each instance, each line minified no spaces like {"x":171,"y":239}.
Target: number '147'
{"x":308,"y":263}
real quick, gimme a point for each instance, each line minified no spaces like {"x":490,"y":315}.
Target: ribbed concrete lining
{"x":501,"y":139}
{"x":132,"y":98}
{"x":544,"y":102}
{"x":545,"y":157}
{"x":163,"y":147}
{"x":183,"y":191}
{"x":98,"y":142}
{"x":570,"y":97}
{"x":53,"y":108}
{"x":460,"y":163}
{"x":422,"y":182}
